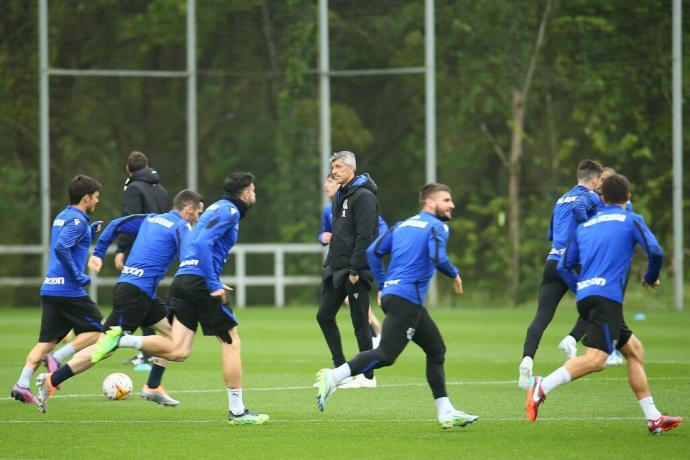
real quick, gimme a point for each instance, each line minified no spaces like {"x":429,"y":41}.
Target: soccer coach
{"x":346,"y":269}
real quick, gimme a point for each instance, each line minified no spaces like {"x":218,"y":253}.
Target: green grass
{"x":595,"y":417}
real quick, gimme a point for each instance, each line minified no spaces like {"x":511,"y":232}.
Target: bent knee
{"x":598,"y":363}
{"x":179,"y":356}
{"x":436,"y":355}
{"x":324,"y":317}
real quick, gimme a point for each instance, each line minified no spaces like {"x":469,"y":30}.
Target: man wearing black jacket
{"x":143,"y":194}
{"x":346,"y":269}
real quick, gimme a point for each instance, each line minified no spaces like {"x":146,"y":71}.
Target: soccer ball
{"x":117,"y":386}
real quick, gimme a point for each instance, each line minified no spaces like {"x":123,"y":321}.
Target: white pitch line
{"x":388,"y":385}
{"x":339,"y":421}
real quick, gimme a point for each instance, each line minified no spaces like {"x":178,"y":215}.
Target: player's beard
{"x":444,"y":217}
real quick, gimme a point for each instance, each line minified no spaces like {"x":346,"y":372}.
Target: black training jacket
{"x":355,"y":227}
{"x":144,"y":194}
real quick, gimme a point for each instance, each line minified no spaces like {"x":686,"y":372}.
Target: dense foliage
{"x":601,"y":89}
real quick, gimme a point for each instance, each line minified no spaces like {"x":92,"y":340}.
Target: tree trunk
{"x":519,"y":107}
{"x":518,"y":110}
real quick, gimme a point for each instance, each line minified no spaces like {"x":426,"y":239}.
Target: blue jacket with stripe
{"x":418,"y":248}
{"x":574,"y":207}
{"x":158,"y":241}
{"x":206,"y":250}
{"x":603,"y":247}
{"x":70,"y":239}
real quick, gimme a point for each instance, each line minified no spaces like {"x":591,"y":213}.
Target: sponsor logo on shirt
{"x":566,"y":199}
{"x":132,"y":271}
{"x":54,"y":280}
{"x":188,"y":262}
{"x":414,"y":223}
{"x":605,"y":218}
{"x":391,"y":283}
{"x":160,"y":221}
{"x":557,"y":252}
{"x":591,"y":282}
{"x":58,"y":223}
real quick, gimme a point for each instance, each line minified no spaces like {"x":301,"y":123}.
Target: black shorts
{"x":61,"y":314}
{"x":606,"y":329}
{"x":132,"y":308}
{"x":191,"y":303}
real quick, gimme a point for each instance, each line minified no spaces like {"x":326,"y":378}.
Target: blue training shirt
{"x":418,"y":248}
{"x":327,"y":223}
{"x":604,"y":247}
{"x":70,"y":239}
{"x":206,"y":250}
{"x":574,"y":207}
{"x":158,"y":241}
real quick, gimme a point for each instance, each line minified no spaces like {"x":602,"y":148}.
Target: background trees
{"x":601,"y":89}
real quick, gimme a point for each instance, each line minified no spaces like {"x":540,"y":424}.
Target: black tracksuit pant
{"x":552,"y":290}
{"x":331,"y":301}
{"x":406,"y":321}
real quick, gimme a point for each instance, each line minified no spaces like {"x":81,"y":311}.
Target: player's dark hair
{"x":615,"y":189}
{"x":137,"y":161}
{"x":186,"y":197}
{"x":431,"y":188}
{"x":236,"y":182}
{"x":588,"y":170}
{"x":82,"y":186}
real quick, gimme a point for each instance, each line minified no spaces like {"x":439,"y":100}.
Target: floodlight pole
{"x":678,"y":155}
{"x":192,"y":173}
{"x":430,"y":90}
{"x":324,"y":92}
{"x":44,"y":155}
{"x":430,"y":99}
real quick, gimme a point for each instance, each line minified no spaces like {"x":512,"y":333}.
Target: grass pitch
{"x":595,"y":417}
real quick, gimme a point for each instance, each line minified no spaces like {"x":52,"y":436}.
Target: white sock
{"x":443,"y":405}
{"x":341,"y":372}
{"x":555,"y":379}
{"x":25,"y":377}
{"x":63,"y":353}
{"x":649,"y":408}
{"x":235,"y":403}
{"x":131,"y":341}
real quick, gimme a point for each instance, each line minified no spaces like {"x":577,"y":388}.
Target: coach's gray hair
{"x":347,"y":157}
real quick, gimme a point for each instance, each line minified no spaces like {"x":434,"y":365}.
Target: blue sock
{"x":155,"y":376}
{"x":62,"y":374}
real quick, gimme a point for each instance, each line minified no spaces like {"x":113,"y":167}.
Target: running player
{"x":135,"y":304}
{"x":64,"y":301}
{"x":603,"y":248}
{"x":576,"y":206}
{"x":418,"y":248}
{"x":197,"y":296}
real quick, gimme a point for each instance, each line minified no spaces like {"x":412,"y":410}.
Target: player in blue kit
{"x":418,"y":248}
{"x":197,"y":296}
{"x":574,"y":207}
{"x":135,"y":304}
{"x":568,"y":346}
{"x":65,"y":304}
{"x":603,"y":248}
